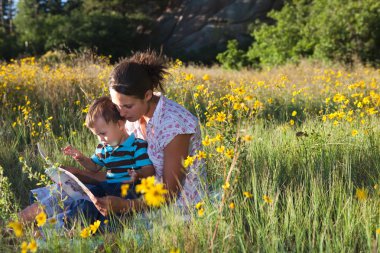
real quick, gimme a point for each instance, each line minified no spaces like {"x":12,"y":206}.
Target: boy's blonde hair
{"x":104,"y":108}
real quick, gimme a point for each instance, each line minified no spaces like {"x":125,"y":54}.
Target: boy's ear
{"x":121,"y":124}
{"x":148,"y":95}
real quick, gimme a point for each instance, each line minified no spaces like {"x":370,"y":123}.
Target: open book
{"x":66,"y":180}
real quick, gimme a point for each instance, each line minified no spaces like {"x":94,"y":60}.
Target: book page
{"x":70,"y":184}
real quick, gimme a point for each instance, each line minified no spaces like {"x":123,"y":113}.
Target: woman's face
{"x":130,"y":107}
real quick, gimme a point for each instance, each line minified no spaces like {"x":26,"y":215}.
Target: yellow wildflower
{"x":231,"y":205}
{"x":226,"y":186}
{"x":257,"y":105}
{"x":291,"y":122}
{"x":189,"y":77}
{"x":124,"y":190}
{"x":201,"y":154}
{"x":200,"y":87}
{"x":24,"y":247}
{"x":220,"y":149}
{"x":175,"y":251}
{"x":247,"y":195}
{"x":146,"y":184}
{"x":17,"y":228}
{"x":361,"y":194}
{"x":248,"y":98}
{"x":199,"y":205}
{"x":32,"y":246}
{"x":229,"y":153}
{"x":294,"y":113}
{"x":155,"y":196}
{"x":217,"y":137}
{"x":206,"y":141}
{"x":94,"y":227}
{"x":378,"y":231}
{"x":354,"y":132}
{"x":247,"y":138}
{"x":52,"y":221}
{"x":201,"y":212}
{"x":41,"y":219}
{"x":221,"y":117}
{"x":188,"y":161}
{"x":267,"y":199}
{"x":86,"y":232}
{"x":206,"y":77}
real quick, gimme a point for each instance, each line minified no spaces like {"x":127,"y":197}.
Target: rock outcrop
{"x":197,"y":30}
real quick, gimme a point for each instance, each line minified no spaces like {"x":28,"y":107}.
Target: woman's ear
{"x":148,"y":95}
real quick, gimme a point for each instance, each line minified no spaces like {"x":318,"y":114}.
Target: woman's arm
{"x":173,"y":175}
{"x":174,"y":153}
{"x":113,"y":204}
{"x":143,"y":172}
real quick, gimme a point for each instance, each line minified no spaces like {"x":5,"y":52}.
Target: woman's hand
{"x":73,"y":152}
{"x":109,"y":204}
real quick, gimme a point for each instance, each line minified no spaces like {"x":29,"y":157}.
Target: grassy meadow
{"x":292,"y":153}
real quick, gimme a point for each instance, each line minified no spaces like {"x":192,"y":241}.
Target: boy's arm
{"x":88,"y":164}
{"x":86,"y":176}
{"x":85,"y":161}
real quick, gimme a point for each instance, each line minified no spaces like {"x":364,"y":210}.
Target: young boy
{"x":124,"y":157}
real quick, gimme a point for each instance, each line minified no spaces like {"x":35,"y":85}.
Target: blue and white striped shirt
{"x":131,"y":154}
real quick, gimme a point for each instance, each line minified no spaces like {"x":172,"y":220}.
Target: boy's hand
{"x":134,"y":177}
{"x":73,"y":152}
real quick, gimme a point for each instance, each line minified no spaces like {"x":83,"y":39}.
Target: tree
{"x":113,"y":27}
{"x":8,"y":41}
{"x":331,"y":30}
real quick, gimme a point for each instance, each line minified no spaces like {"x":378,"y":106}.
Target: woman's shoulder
{"x":172,"y":111}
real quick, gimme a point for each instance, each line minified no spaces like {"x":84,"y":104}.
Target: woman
{"x":171,"y":131}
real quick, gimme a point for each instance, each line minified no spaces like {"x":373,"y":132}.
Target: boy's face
{"x":108,"y":133}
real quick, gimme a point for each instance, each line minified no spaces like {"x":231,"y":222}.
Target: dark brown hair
{"x":102,"y":108}
{"x":136,"y":75}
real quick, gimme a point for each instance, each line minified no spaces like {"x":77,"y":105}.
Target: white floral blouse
{"x":169,"y":120}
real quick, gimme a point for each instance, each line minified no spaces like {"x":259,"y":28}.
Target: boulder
{"x":197,"y":30}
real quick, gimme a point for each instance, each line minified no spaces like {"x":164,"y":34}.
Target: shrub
{"x":233,"y":57}
{"x":329,"y":30}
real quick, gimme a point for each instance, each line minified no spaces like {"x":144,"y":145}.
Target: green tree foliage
{"x":110,"y":27}
{"x":332,"y":30}
{"x":233,"y":57}
{"x":8,"y":42}
{"x":282,"y":42}
{"x":343,"y":30}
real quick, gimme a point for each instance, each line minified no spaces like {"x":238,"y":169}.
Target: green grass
{"x":311,"y":179}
